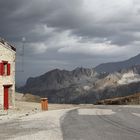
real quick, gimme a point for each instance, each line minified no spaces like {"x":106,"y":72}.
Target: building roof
{"x":7,"y":44}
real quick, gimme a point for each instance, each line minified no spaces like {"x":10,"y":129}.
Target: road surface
{"x":104,"y":123}
{"x":98,"y":123}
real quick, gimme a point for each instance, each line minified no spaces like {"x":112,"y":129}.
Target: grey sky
{"x":69,"y":33}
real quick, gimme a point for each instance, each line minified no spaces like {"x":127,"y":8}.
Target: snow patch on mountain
{"x":87,"y":88}
{"x":128,"y":78}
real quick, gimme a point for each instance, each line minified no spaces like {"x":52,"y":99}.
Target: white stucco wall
{"x":7,"y":54}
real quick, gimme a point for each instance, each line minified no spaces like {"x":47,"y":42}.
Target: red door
{"x":6,"y":103}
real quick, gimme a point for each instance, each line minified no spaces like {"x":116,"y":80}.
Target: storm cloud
{"x":69,"y":33}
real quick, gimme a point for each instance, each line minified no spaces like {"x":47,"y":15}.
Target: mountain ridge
{"x":84,"y":85}
{"x":116,"y":66}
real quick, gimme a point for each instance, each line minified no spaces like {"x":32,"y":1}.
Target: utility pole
{"x":22,"y":54}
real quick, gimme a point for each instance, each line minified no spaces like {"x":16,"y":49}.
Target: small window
{"x":5,"y":68}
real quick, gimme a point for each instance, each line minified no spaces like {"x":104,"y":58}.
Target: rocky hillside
{"x":115,"y":66}
{"x":58,"y":79}
{"x":84,"y":85}
{"x":127,"y":100}
{"x":27,"y":97}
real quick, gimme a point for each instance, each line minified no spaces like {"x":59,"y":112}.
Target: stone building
{"x":7,"y":75}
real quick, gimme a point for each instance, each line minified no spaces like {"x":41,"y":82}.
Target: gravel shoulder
{"x":28,"y":108}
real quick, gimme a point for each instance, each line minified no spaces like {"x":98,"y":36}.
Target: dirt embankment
{"x":127,"y":100}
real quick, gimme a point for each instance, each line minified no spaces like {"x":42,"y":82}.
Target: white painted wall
{"x":7,"y":54}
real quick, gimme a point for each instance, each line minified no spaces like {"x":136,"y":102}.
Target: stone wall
{"x":7,"y":54}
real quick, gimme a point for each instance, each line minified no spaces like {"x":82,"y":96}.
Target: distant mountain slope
{"x":84,"y":85}
{"x":57,"y":79}
{"x":115,"y":66}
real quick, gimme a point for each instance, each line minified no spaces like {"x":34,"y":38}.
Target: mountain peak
{"x":116,"y":66}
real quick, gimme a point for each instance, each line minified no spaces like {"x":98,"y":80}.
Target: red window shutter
{"x":1,"y":69}
{"x":8,"y":69}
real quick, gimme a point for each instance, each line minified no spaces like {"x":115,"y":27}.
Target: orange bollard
{"x":44,"y":104}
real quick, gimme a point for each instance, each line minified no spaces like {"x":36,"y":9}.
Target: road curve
{"x":102,"y":123}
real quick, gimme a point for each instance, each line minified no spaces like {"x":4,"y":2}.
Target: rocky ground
{"x":81,"y":122}
{"x":28,"y":108}
{"x":28,"y":121}
{"x":69,"y":122}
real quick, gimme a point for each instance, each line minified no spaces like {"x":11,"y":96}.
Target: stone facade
{"x":7,"y":75}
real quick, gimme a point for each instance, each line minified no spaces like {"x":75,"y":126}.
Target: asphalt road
{"x":122,"y":124}
{"x":94,"y":123}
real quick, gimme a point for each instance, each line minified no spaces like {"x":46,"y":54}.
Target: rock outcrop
{"x":84,"y":85}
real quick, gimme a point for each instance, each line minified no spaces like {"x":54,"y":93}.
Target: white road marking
{"x":95,"y":112}
{"x":130,"y":106}
{"x":136,"y":114}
